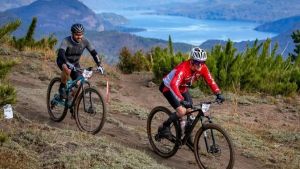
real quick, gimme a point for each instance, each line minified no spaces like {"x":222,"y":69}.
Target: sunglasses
{"x":196,"y":62}
{"x":78,"y":34}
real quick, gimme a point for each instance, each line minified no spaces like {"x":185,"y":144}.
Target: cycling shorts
{"x":74,"y":75}
{"x":172,"y":99}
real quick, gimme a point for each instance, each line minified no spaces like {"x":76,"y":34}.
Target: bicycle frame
{"x":190,"y":129}
{"x":73,"y":83}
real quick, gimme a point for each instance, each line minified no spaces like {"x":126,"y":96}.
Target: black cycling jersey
{"x":71,"y":51}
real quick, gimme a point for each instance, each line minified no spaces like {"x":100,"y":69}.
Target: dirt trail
{"x":132,"y":133}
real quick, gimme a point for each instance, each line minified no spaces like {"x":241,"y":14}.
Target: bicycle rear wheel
{"x":214,"y":148}
{"x":162,"y":146}
{"x":90,"y":111}
{"x":55,"y":105}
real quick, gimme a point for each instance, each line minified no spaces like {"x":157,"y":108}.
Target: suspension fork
{"x":205,"y":135}
{"x":212,"y":136}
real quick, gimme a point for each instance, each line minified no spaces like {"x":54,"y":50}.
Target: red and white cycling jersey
{"x":182,"y":75}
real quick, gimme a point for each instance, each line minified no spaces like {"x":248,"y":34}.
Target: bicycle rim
{"x":90,"y":111}
{"x":213,"y":151}
{"x":56,"y":108}
{"x":162,"y":146}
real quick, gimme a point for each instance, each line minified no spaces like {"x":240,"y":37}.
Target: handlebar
{"x":199,"y":106}
{"x":88,"y":69}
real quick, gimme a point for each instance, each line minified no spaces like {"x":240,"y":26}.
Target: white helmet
{"x":198,"y":54}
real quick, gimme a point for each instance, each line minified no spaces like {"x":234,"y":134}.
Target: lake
{"x":192,"y":31}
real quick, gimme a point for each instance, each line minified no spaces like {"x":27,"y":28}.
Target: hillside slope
{"x":263,"y":129}
{"x":281,"y":25}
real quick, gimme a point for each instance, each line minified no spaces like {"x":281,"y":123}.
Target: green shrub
{"x":129,"y":63}
{"x":7,"y":29}
{"x":3,"y":137}
{"x":7,"y":94}
{"x":30,"y":42}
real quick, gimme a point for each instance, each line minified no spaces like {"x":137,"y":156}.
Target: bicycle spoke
{"x":164,"y":146}
{"x":90,"y":111}
{"x":55,"y":105}
{"x":214,"y":150}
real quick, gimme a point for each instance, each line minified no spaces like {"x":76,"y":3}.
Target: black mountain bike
{"x":85,"y":103}
{"x":212,"y":146}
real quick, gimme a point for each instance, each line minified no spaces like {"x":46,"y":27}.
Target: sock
{"x":62,"y":85}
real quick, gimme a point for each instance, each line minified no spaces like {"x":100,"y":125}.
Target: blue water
{"x":192,"y":31}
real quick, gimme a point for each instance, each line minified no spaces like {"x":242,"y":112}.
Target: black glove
{"x":186,"y":104}
{"x":220,"y":98}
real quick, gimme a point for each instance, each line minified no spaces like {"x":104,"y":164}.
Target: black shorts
{"x":74,"y":75}
{"x":172,"y":99}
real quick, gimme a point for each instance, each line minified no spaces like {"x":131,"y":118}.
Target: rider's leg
{"x":180,"y":111}
{"x":75,"y":75}
{"x":187,"y":97}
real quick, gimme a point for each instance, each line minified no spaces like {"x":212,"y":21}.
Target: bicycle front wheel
{"x":213,"y":148}
{"x":90,"y":112}
{"x":56,"y":106}
{"x":164,"y":147}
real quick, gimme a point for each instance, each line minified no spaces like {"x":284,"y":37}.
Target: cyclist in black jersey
{"x":69,"y":54}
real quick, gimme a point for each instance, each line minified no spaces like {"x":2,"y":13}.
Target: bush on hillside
{"x":257,"y":69}
{"x":46,"y":43}
{"x":7,"y":29}
{"x":133,"y":62}
{"x":7,"y":92}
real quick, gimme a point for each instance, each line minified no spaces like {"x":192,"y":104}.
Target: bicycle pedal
{"x":157,"y":138}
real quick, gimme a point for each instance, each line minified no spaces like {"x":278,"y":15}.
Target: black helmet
{"x":77,"y":28}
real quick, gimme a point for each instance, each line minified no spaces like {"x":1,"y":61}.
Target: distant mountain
{"x":110,"y":43}
{"x":8,"y":4}
{"x":284,"y":40}
{"x":280,"y":26}
{"x":250,"y":10}
{"x":105,"y":5}
{"x":57,"y":15}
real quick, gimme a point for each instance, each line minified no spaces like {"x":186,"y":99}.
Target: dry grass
{"x":275,"y":147}
{"x":129,"y":109}
{"x":40,"y":146}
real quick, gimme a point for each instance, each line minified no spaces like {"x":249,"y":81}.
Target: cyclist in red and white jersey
{"x":175,"y":86}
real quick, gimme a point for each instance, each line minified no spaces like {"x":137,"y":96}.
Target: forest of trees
{"x":256,"y":70}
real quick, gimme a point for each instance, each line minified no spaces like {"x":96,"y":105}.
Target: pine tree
{"x":170,"y":46}
{"x":29,"y":40}
{"x":296,"y":38}
{"x":8,"y":29}
{"x":125,"y":64}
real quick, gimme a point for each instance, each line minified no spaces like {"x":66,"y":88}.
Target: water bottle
{"x":182,"y":125}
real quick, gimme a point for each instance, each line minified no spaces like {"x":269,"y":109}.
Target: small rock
{"x":151,"y":84}
{"x":272,"y":159}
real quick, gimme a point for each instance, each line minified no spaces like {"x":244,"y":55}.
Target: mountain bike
{"x":212,"y":145}
{"x":85,"y":103}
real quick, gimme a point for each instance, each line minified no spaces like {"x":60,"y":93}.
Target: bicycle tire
{"x":151,"y":134}
{"x":78,"y":117}
{"x":53,"y":117}
{"x":222,"y":138}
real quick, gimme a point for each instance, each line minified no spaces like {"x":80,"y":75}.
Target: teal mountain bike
{"x":84,"y":102}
